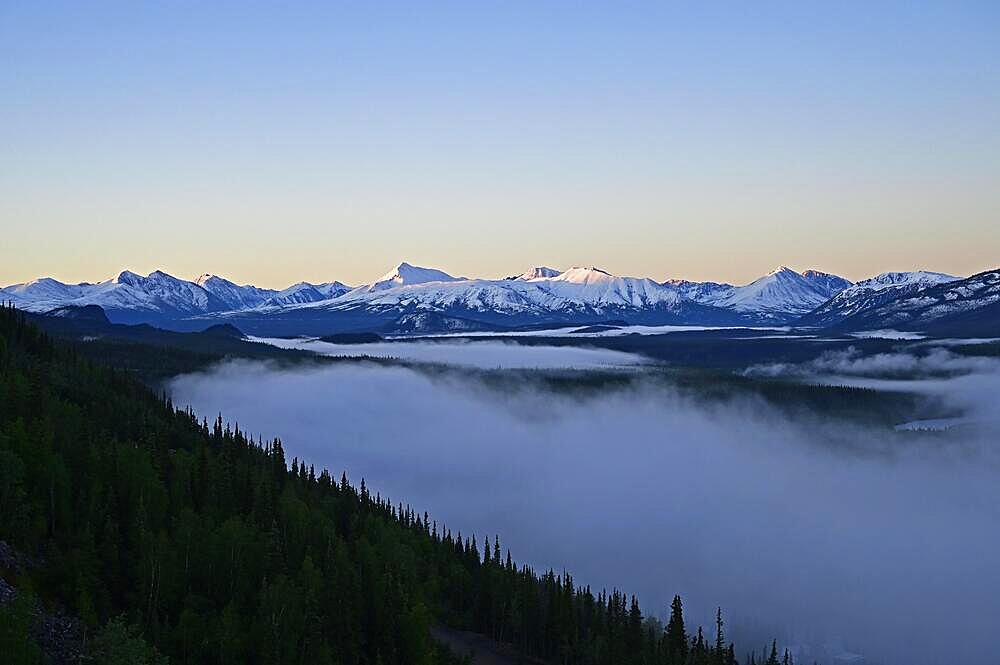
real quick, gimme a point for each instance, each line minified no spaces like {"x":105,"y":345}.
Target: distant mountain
{"x":45,"y":290}
{"x":414,"y":299}
{"x":233,"y":295}
{"x":699,"y":291}
{"x":303,"y":292}
{"x":937,"y":304}
{"x":128,"y":295}
{"x":778,"y":297}
{"x":250,"y":297}
{"x":826,"y":283}
{"x":870,"y":294}
{"x":540,"y":272}
{"x":160,"y":297}
{"x":405,"y":274}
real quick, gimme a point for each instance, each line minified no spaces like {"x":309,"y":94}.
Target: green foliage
{"x":16,"y":642}
{"x":120,"y":644}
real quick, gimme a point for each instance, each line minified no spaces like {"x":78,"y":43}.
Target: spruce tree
{"x":676,"y":635}
{"x":773,"y":658}
{"x":719,"y":653}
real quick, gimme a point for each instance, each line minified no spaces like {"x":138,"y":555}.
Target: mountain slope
{"x":969,"y":306}
{"x":825,"y":282}
{"x":160,"y":297}
{"x":405,"y":274}
{"x":699,"y":291}
{"x":778,"y":297}
{"x":233,"y":295}
{"x":538,"y":272}
{"x":45,"y":290}
{"x":870,"y":294}
{"x":578,"y":295}
{"x":541,"y":296}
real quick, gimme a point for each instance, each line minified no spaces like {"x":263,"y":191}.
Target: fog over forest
{"x":877,"y":542}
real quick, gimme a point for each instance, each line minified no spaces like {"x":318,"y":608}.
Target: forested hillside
{"x":170,"y":539}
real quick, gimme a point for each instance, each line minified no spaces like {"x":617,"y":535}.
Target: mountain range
{"x":413,"y":299}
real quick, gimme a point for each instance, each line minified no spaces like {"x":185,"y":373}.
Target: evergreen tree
{"x":719,"y":653}
{"x":773,"y":658}
{"x":676,"y":638}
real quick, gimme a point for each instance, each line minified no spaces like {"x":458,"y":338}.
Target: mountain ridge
{"x":408,"y":298}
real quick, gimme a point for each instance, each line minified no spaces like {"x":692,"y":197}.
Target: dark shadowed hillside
{"x":166,"y":538}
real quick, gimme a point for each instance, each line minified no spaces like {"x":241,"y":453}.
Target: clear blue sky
{"x":277,"y":142}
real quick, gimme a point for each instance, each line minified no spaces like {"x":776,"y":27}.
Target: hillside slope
{"x":170,"y":537}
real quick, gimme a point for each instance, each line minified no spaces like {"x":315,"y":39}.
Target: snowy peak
{"x":578,"y":275}
{"x":593,"y":287}
{"x":304,"y":292}
{"x":702,"y":292}
{"x":825,"y":282}
{"x":579,"y":291}
{"x":208,"y":279}
{"x":917,"y":301}
{"x":782,"y":290}
{"x":158,"y":291}
{"x":157,"y":277}
{"x":46,"y":288}
{"x":162,"y":294}
{"x":814,"y":298}
{"x":330,"y":289}
{"x":873,"y":293}
{"x":128,"y":278}
{"x":912,"y":278}
{"x":210,"y":282}
{"x":233,"y":295}
{"x":406,"y":274}
{"x":538,"y":272}
{"x":781,"y":294}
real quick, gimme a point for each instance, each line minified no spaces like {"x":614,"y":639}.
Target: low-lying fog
{"x":485,"y":355}
{"x":891,"y":552}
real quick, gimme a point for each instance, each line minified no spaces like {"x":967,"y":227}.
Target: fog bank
{"x":890,"y":555}
{"x":485,"y":355}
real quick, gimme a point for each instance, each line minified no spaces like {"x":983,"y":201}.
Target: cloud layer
{"x":485,"y":355}
{"x":890,"y":555}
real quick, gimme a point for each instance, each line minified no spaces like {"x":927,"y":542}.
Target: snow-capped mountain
{"x":597,"y":288}
{"x":233,"y":295}
{"x":872,"y":293}
{"x":411,"y":298}
{"x":304,"y":292}
{"x":133,"y":296}
{"x":245,"y":297}
{"x":699,"y":291}
{"x":43,"y":294}
{"x":405,"y":274}
{"x":411,"y":287}
{"x":157,"y":291}
{"x":825,"y":282}
{"x":159,"y":297}
{"x":538,"y":272}
{"x":934,"y":303}
{"x":777,"y":297}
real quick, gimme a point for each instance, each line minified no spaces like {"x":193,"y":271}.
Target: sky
{"x":276,"y":142}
